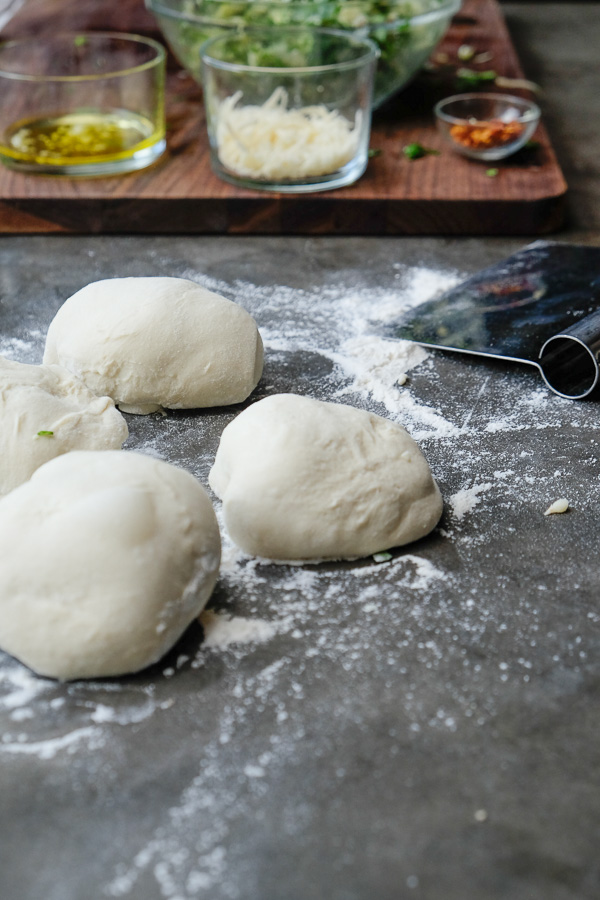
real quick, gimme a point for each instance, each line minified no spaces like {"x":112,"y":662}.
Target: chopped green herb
{"x":80,"y":40}
{"x":45,"y":434}
{"x":471,"y":78}
{"x":374,"y":151}
{"x":417,"y":151}
{"x":532,"y":145}
{"x":382,"y":557}
{"x":491,"y":173}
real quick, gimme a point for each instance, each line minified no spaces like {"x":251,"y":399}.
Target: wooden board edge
{"x":287,"y":216}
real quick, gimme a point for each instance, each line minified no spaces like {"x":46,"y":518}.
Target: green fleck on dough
{"x":382,"y":557}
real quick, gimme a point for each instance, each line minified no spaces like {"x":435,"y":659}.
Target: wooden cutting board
{"x":443,"y":194}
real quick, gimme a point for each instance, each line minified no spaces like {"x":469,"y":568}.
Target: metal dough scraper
{"x":540,"y":307}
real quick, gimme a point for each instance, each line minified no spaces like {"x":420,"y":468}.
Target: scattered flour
{"x":339,"y":626}
{"x":339,"y":324}
{"x":421,"y":284}
{"x":408,"y":570}
{"x":29,"y":698}
{"x":465,"y":501}
{"x":220,"y":630}
{"x":21,"y":687}
{"x":49,"y":747}
{"x":379,"y":367}
{"x":17,"y":349}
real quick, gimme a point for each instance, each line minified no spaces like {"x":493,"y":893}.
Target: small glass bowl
{"x":298,"y":121}
{"x":82,"y":104}
{"x":486,"y":126}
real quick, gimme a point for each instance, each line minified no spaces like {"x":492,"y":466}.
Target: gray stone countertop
{"x":426,"y":727}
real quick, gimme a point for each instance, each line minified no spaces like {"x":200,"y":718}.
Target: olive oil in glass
{"x":78,"y":138}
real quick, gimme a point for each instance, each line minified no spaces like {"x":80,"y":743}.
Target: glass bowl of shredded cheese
{"x":405,"y":31}
{"x":301,"y":123}
{"x":487,"y":126}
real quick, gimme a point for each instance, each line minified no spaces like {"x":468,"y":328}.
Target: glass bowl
{"x":299,"y":124}
{"x":82,"y":103}
{"x":406,"y":31}
{"x":486,"y":126}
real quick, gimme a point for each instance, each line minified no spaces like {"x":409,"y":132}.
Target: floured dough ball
{"x":304,"y":479}
{"x":106,"y":559}
{"x":157,"y":342}
{"x":44,"y":412}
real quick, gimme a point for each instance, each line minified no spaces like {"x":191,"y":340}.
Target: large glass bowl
{"x":405,"y":31}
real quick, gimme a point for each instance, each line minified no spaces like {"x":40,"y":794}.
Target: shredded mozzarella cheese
{"x":272,"y":143}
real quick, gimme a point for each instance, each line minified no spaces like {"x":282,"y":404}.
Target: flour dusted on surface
{"x":465,"y":501}
{"x":36,"y":703}
{"x":272,"y":142}
{"x":221,"y":630}
{"x":379,"y":366}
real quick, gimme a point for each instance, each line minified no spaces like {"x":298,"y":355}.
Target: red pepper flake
{"x":484,"y":135}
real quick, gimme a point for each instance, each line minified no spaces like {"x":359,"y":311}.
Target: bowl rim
{"x":158,"y":59}
{"x":370,"y":55}
{"x":446,"y":7}
{"x":530,"y":111}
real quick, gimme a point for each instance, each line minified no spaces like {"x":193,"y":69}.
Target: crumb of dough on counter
{"x":559,"y":506}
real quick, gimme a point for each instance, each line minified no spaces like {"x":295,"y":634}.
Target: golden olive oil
{"x":78,"y":138}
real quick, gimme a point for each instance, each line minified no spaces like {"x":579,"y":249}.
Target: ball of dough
{"x":44,"y":412}
{"x":157,"y":342}
{"x":106,"y":559}
{"x":304,"y":479}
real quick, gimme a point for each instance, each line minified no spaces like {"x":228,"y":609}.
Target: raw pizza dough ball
{"x":157,"y":342}
{"x":106,"y":559}
{"x":304,"y":479}
{"x":44,"y":412}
